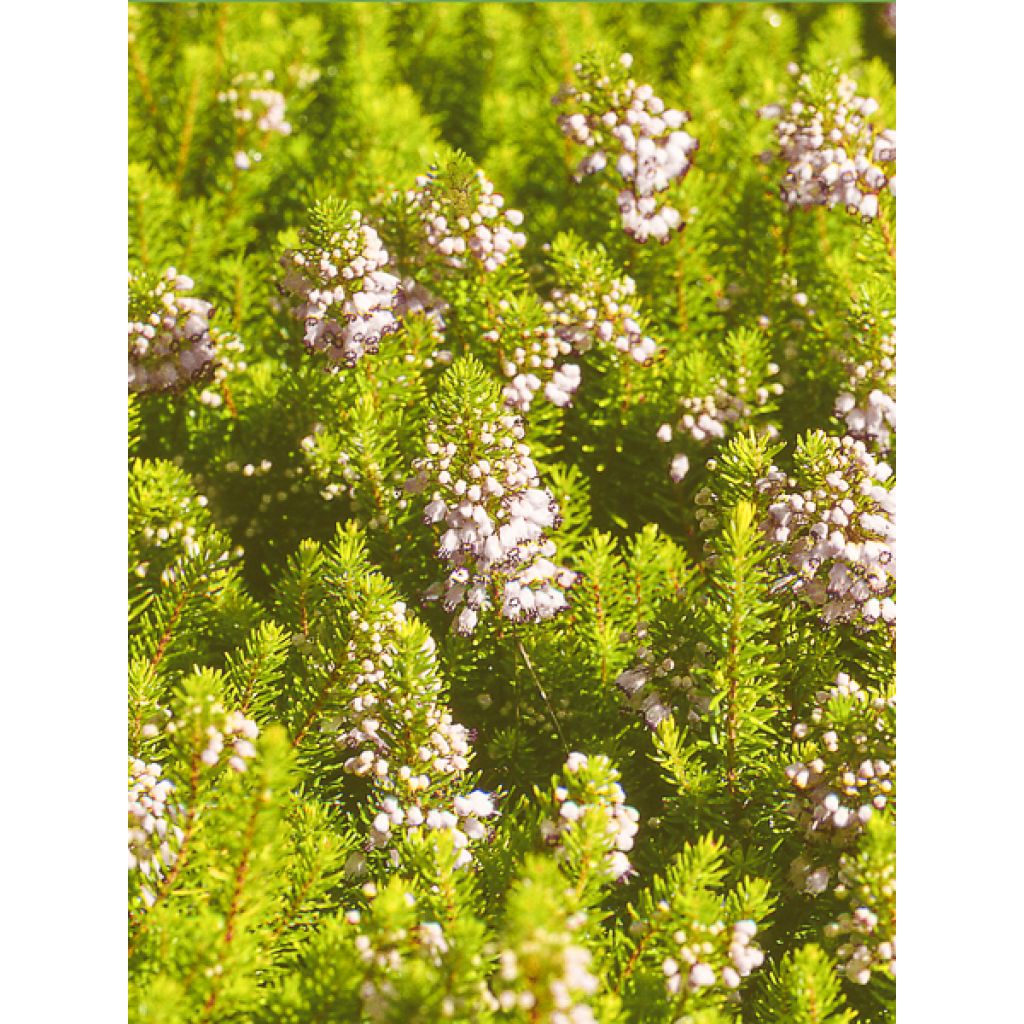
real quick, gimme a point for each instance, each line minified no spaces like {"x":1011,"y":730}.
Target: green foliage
{"x":805,"y":990}
{"x":687,"y":906}
{"x":742,"y":696}
{"x":343,"y":808}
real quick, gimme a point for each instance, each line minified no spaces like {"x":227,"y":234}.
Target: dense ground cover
{"x":512,"y":512}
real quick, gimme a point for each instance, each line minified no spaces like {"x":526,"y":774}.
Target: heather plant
{"x":511,"y":513}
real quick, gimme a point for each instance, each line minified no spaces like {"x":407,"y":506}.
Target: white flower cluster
{"x":228,"y":349}
{"x":521,"y":389}
{"x":868,"y":405}
{"x":873,"y":421}
{"x":150,"y":818}
{"x":475,"y":226}
{"x":742,"y":397}
{"x":848,"y":770}
{"x":709,"y":416}
{"x":591,"y":314}
{"x":348,"y":299}
{"x":862,"y":952}
{"x":602,"y":314}
{"x":695,"y":949}
{"x":364,"y":727}
{"x":531,"y":357}
{"x":617,"y":119}
{"x":405,"y":743}
{"x":592,"y":796}
{"x":170,"y":342}
{"x":840,"y":537}
{"x":153,"y":836}
{"x":868,"y":931}
{"x":548,"y":978}
{"x":495,"y":516}
{"x":255,"y":106}
{"x":238,"y":732}
{"x":415,"y":300}
{"x":835,"y":155}
{"x":464,"y":822}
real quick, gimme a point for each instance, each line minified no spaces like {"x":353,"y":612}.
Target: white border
{"x":960,"y":377}
{"x":63,"y":421}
